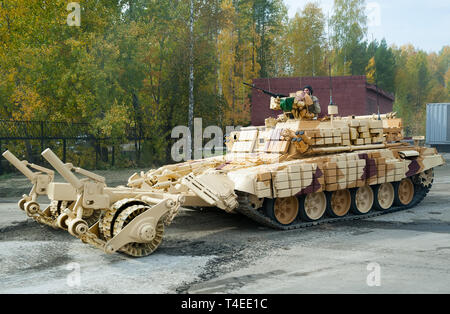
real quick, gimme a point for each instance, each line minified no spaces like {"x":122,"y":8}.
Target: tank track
{"x":245,"y":208}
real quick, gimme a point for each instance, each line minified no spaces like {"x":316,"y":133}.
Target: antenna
{"x":331,"y":85}
{"x":376,"y":88}
{"x":378,"y":103}
{"x":332,"y":108}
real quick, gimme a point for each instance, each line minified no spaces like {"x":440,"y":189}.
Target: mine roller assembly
{"x":294,"y":172}
{"x":113,"y":219}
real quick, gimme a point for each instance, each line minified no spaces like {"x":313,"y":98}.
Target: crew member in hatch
{"x":315,"y":107}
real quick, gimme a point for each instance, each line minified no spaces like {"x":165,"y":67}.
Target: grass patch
{"x":6,"y":176}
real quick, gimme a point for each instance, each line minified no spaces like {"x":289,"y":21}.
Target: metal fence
{"x":78,"y":143}
{"x":39,"y":130}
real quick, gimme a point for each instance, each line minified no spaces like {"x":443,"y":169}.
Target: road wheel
{"x":283,"y":210}
{"x":338,"y":203}
{"x":313,"y":206}
{"x":362,"y":200}
{"x":404,"y":192}
{"x":384,"y":195}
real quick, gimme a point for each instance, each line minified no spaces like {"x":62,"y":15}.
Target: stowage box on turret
{"x":296,"y":171}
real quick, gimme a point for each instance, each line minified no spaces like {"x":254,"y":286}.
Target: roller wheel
{"x":62,"y":221}
{"x":91,"y":216}
{"x":338,"y":203}
{"x":58,"y":207}
{"x":31,"y":208}
{"x":362,"y":200}
{"x":21,"y":203}
{"x":384,"y":196}
{"x":77,"y":227}
{"x":283,"y":210}
{"x":404,"y":192}
{"x":313,"y":206}
{"x":138,"y":249}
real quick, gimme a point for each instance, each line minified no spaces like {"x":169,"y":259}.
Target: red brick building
{"x":352,"y":94}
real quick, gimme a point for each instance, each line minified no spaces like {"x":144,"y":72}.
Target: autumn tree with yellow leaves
{"x":127,"y":66}
{"x":307,"y":42}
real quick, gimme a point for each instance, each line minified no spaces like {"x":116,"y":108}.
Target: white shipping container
{"x":438,"y":124}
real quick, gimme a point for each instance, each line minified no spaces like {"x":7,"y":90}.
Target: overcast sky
{"x":425,"y":24}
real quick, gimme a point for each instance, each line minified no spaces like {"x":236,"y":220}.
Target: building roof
{"x":381,"y":92}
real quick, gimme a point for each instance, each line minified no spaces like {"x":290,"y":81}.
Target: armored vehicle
{"x":295,"y":171}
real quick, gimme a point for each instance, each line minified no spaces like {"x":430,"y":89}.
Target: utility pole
{"x":191,"y":80}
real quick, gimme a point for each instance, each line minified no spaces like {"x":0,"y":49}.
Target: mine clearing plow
{"x":126,"y":219}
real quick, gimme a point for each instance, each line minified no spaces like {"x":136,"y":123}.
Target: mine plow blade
{"x":41,"y":180}
{"x":215,"y":189}
{"x":129,"y":220}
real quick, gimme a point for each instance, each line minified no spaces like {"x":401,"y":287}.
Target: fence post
{"x":96,"y":153}
{"x":1,"y":160}
{"x":42,"y":136}
{"x":113,"y":153}
{"x":64,"y":150}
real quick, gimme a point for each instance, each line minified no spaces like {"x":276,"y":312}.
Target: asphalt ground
{"x":210,"y":251}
